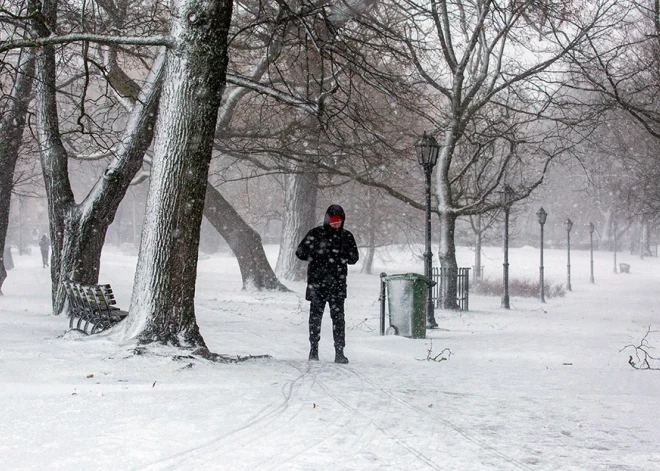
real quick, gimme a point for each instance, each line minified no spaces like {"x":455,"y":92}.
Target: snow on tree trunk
{"x":54,"y":158}
{"x":478,"y":233}
{"x":299,"y":217}
{"x":86,"y":225}
{"x":367,"y":266}
{"x":81,"y":251}
{"x":645,"y":239}
{"x":12,"y":124}
{"x":244,"y":241}
{"x":162,"y":304}
{"x":78,"y":231}
{"x":447,"y":255}
{"x":447,"y":249}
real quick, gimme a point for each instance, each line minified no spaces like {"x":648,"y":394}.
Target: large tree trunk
{"x":645,"y":241}
{"x":447,"y":255}
{"x":162,"y":304}
{"x":244,"y":241}
{"x":478,"y":234}
{"x":367,"y":266}
{"x":12,"y":124}
{"x":299,"y":217}
{"x":447,"y":250}
{"x":54,"y":159}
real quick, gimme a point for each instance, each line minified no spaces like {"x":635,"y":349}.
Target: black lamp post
{"x":569,"y":226}
{"x":427,"y":156}
{"x":507,"y":198}
{"x":542,"y":218}
{"x":591,"y":247}
{"x":614,"y":230}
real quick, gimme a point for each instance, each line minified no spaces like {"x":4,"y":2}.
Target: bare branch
{"x":93,"y":38}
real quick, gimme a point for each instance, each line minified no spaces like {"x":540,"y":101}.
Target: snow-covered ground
{"x":537,"y":387}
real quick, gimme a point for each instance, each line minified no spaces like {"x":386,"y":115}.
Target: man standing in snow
{"x":328,"y":249}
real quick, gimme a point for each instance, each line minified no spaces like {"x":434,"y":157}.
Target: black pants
{"x":44,"y":258}
{"x":336,"y":314}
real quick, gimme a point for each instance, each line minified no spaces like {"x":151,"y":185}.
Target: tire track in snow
{"x":420,"y":456}
{"x":372,"y":425}
{"x":251,"y":430}
{"x":461,"y":431}
{"x":362,"y":439}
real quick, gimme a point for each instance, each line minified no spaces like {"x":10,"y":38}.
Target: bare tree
{"x":78,"y":229}
{"x":491,"y":88}
{"x":13,"y":115}
{"x":244,"y":242}
{"x":162,"y":306}
{"x":620,"y":74}
{"x":303,"y":71}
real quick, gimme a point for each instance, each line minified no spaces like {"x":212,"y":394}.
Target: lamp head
{"x":507,"y":196}
{"x":569,"y":225}
{"x":427,"y":150}
{"x":542,"y":215}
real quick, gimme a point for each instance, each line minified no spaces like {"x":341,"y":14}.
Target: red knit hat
{"x":334,"y":218}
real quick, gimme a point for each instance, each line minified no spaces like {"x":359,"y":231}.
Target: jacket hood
{"x":334,"y":209}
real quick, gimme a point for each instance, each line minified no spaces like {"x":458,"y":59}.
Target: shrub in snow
{"x":520,"y":288}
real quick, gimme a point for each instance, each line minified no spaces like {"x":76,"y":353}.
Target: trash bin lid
{"x":405,"y":276}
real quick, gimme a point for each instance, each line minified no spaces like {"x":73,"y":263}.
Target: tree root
{"x":205,"y":353}
{"x":221,"y":358}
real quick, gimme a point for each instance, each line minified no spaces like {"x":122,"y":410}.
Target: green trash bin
{"x":406,"y":296}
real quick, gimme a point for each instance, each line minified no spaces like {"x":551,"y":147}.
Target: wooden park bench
{"x":92,"y":308}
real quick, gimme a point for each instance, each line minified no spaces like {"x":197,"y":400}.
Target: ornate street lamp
{"x":591,"y":246}
{"x":542,"y":218}
{"x":427,"y":156}
{"x":507,"y":198}
{"x":569,"y":226}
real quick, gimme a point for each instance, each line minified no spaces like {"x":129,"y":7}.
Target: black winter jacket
{"x":328,"y":252}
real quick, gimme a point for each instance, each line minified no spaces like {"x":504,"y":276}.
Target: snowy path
{"x":538,"y":387}
{"x":355,"y":427}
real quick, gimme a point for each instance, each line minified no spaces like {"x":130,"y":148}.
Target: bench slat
{"x":92,"y":308}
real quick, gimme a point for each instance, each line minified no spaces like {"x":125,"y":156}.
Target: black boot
{"x":339,"y":357}
{"x":314,"y":353}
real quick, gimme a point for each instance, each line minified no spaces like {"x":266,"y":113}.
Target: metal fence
{"x":441,"y":288}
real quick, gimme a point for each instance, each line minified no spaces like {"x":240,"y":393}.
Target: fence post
{"x":467,"y":289}
{"x":382,"y":302}
{"x":461,"y":276}
{"x":436,"y":286}
{"x":462,"y":287}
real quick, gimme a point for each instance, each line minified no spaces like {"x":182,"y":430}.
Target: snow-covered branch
{"x":271,"y":92}
{"x":95,"y":38}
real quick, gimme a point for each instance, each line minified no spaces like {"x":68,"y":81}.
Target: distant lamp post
{"x":507,"y":198}
{"x":427,"y":156}
{"x":591,"y":247}
{"x":614,"y":230}
{"x":542,"y":218}
{"x":569,"y":226}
